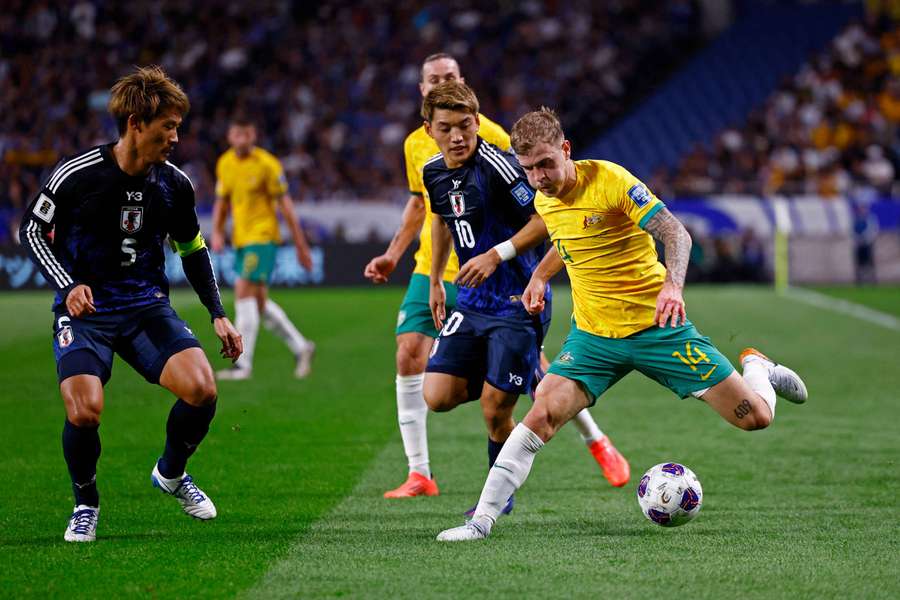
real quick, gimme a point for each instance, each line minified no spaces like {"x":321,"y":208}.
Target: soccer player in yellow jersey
{"x":415,"y":330}
{"x":629,"y":312}
{"x":250,"y":183}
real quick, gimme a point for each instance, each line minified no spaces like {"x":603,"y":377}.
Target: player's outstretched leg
{"x":277,"y":321}
{"x":785,"y":382}
{"x":246,"y":321}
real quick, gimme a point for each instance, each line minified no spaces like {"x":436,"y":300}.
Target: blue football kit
{"x":489,"y":337}
{"x":93,"y":224}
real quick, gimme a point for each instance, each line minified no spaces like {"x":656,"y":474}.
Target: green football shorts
{"x":255,"y":262}
{"x":679,"y":358}
{"x":415,"y":314}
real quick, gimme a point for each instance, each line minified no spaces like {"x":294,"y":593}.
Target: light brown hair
{"x":538,"y":126}
{"x":146,"y":93}
{"x":449,"y":95}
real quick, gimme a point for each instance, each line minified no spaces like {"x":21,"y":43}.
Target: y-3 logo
{"x":516,"y":379}
{"x":134,"y":196}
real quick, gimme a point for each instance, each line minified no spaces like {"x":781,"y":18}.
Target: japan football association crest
{"x":65,"y":336}
{"x":132,"y":218}
{"x":457,"y":203}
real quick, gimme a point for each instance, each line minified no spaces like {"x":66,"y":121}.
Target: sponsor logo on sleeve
{"x":44,"y":209}
{"x":523,"y":193}
{"x":639,"y":194}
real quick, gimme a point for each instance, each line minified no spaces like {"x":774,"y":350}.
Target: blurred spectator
{"x":865,"y":232}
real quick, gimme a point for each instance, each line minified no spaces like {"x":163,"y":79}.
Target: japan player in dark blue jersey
{"x":109,"y":210}
{"x":489,"y":347}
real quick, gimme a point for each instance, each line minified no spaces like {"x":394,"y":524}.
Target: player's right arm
{"x":34,"y":233}
{"x":221,"y":207}
{"x":533,"y":296}
{"x":380,"y":267}
{"x":441,"y":243}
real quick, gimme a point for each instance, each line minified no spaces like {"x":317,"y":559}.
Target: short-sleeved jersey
{"x":253,"y":185}
{"x":109,"y":228}
{"x":611,"y":261}
{"x":418,"y":148}
{"x":484,"y":202}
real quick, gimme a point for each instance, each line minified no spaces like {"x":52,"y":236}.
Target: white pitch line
{"x":845,"y":307}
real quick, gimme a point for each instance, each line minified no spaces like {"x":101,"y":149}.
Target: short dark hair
{"x":146,"y":93}
{"x":241,"y":119}
{"x":432,"y":58}
{"x":449,"y":95}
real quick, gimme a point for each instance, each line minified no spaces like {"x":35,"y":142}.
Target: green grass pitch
{"x":805,"y":509}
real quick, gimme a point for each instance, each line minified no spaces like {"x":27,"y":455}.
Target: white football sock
{"x":756,"y":374}
{"x":587,"y":427}
{"x":412,"y":413}
{"x":277,"y":321}
{"x":508,"y":474}
{"x":246,"y":321}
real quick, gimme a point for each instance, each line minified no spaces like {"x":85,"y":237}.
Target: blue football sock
{"x":494,"y":449}
{"x":81,"y":448}
{"x":185,"y":429}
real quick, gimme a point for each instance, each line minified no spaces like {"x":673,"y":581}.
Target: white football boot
{"x":193,"y":500}
{"x":304,"y":361}
{"x":786,"y":382}
{"x":83,"y":524}
{"x":472,"y":530}
{"x":233,"y":373}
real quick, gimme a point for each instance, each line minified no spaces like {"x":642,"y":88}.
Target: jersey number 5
{"x":128,"y":249}
{"x":465,"y":234}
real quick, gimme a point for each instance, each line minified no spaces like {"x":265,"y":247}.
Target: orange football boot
{"x":415,"y":485}
{"x":615,"y":467}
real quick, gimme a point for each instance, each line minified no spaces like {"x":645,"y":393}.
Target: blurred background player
{"x":629,"y":311}
{"x":250,"y":183}
{"x":110,"y":209}
{"x":415,"y":330}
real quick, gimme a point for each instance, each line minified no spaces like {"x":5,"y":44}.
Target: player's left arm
{"x":479,"y":268}
{"x":304,"y":257}
{"x":669,"y":231}
{"x":441,"y":242}
{"x":188,"y":242}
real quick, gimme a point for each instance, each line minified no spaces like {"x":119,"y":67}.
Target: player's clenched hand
{"x":379,"y":268}
{"x":232,"y":343}
{"x":437,"y":300}
{"x":218,"y":242}
{"x":477,"y":269}
{"x":304,"y":257}
{"x":533,"y":296}
{"x":670,"y":306}
{"x":80,"y":301}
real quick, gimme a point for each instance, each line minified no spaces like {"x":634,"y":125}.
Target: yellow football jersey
{"x":417,"y":149}
{"x":612,"y":263}
{"x":253,"y":185}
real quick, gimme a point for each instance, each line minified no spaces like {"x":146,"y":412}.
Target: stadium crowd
{"x":332,"y":84}
{"x":831,"y":130}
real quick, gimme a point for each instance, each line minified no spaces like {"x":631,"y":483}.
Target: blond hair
{"x":449,"y":95}
{"x":146,"y":93}
{"x":538,"y":126}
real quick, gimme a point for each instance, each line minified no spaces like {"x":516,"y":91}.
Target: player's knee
{"x":411,"y":359}
{"x":438,"y":400}
{"x":86,"y":417}
{"x":201,"y":392}
{"x":83,"y":408}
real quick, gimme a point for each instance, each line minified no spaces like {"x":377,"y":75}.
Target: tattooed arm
{"x":664,"y":227}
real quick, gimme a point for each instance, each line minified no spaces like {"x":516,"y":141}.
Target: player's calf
{"x":739,"y":404}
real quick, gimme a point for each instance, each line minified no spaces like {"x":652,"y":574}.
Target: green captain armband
{"x":187,"y":248}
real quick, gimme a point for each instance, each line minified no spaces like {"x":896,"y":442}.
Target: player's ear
{"x":427,"y":128}
{"x":477,"y":123}
{"x":134,"y":122}
{"x":567,"y":148}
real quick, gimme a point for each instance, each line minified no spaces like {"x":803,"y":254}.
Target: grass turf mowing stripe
{"x":845,"y":307}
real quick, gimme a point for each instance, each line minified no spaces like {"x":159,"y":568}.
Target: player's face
{"x":157,"y":139}
{"x":546,"y":166}
{"x":456,"y":134}
{"x":438,"y":71}
{"x":242,"y":138}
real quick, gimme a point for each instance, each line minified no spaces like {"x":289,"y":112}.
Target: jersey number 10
{"x":465,"y":234}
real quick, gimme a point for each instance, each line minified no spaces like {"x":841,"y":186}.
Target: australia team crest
{"x":132,"y":218}
{"x":457,"y":203}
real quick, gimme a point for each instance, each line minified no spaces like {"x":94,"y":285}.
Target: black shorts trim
{"x":83,"y":361}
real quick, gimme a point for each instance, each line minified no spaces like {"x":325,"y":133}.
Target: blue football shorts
{"x":145,"y":338}
{"x":504,"y":352}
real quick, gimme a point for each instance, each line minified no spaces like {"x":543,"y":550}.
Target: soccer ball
{"x":670,"y":494}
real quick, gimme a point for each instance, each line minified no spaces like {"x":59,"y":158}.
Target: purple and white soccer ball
{"x":670,"y":494}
